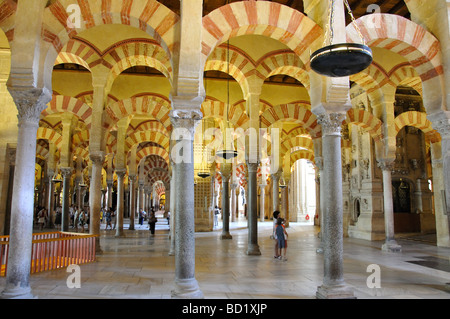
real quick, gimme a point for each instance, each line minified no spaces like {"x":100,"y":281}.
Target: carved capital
{"x":386,"y":164}
{"x":252,"y":167}
{"x":30,"y":102}
{"x":97,"y":158}
{"x":441,"y":123}
{"x":66,"y":172}
{"x":121,"y":173}
{"x":185,"y":121}
{"x":331,"y":123}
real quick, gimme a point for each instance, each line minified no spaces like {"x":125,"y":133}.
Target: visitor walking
{"x":108,"y":217}
{"x":152,"y":222}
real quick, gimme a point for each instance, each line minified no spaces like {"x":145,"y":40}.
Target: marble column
{"x":50,"y":192}
{"x":275,"y":191}
{"x":120,"y":202}
{"x":285,"y":203}
{"x":95,"y":197}
{"x":184,"y":123}
{"x":233,"y":201}
{"x":262,"y":202}
{"x":334,"y":286}
{"x":172,"y":211}
{"x":66,"y":172}
{"x":390,"y":243}
{"x":132,"y":187}
{"x":226,"y":174}
{"x":253,"y":248}
{"x":109,"y":189}
{"x":30,"y":103}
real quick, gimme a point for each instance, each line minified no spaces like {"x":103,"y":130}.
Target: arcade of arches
{"x":108,"y":95}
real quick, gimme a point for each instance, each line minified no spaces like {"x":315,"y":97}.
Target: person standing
{"x":275,"y":218}
{"x":281,"y":236}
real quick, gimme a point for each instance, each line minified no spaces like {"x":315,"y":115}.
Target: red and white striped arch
{"x":410,"y":40}
{"x":415,"y":119}
{"x":271,"y":19}
{"x":302,"y":154}
{"x":406,"y":75}
{"x":284,"y":62}
{"x":50,"y":135}
{"x":151,"y":150}
{"x":152,"y":105}
{"x":367,"y":121}
{"x":63,"y":104}
{"x":239,"y":67}
{"x":298,"y":112}
{"x":148,"y":15}
{"x":147,"y":136}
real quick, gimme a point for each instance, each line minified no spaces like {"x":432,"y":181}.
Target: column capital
{"x":386,"y":164}
{"x":121,"y":172}
{"x":441,"y":123}
{"x":331,"y":123}
{"x":66,"y":171}
{"x":30,"y":102}
{"x":252,"y":167}
{"x":185,"y":119}
{"x":97,"y":157}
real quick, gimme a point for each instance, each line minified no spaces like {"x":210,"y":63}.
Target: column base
{"x":131,"y":228}
{"x":120,"y":234}
{"x":335,"y":292}
{"x":187,"y":289}
{"x":17,"y":293}
{"x":226,"y":235}
{"x":391,"y":246}
{"x":253,"y":250}
{"x":447,"y":287}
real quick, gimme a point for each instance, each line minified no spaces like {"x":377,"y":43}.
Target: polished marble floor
{"x":139,"y":267}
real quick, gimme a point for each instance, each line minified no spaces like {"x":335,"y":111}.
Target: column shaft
{"x":186,"y":285}
{"x":226,"y":207}
{"x":65,"y":218}
{"x":120,"y":203}
{"x":30,"y":104}
{"x":390,"y":243}
{"x":95,"y":197}
{"x":332,"y":230}
{"x":253,"y":248}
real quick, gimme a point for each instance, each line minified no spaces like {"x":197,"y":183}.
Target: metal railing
{"x":53,"y":250}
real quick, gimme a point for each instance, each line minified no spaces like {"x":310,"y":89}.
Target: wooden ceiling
{"x":359,"y":7}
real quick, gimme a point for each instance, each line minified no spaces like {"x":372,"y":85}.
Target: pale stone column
{"x":262,"y":201}
{"x":285,"y":203}
{"x":226,"y":174}
{"x":172,"y":210}
{"x":30,"y":103}
{"x":95,"y":196}
{"x":252,"y":213}
{"x":132,"y":182}
{"x":120,"y":202}
{"x":390,"y":244}
{"x":275,"y":191}
{"x":332,"y":231}
{"x":184,"y":123}
{"x":109,"y":189}
{"x":50,"y":192}
{"x":66,"y":172}
{"x":233,"y":201}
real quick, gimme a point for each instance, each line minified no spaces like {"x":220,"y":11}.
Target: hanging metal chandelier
{"x":226,"y":153}
{"x":341,"y":59}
